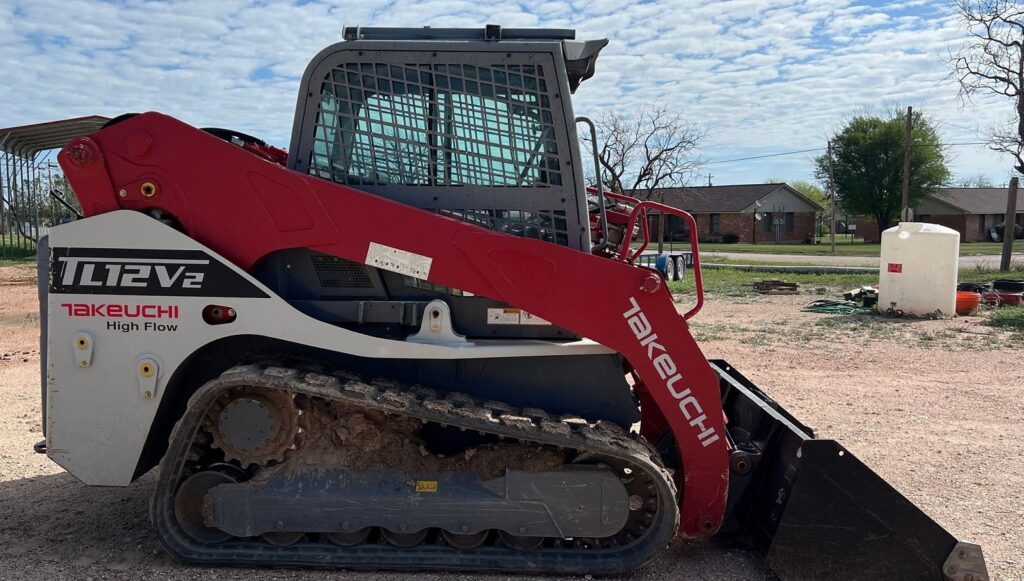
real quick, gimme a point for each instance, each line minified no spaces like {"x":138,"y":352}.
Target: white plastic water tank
{"x":918,"y":269}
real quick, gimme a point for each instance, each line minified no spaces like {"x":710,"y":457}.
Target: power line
{"x":822,"y":149}
{"x":974,"y":130}
{"x":764,"y":156}
{"x":949,"y":144}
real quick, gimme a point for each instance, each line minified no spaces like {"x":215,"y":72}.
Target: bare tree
{"x":649,"y":149}
{"x":973,"y":181}
{"x":992,"y":61}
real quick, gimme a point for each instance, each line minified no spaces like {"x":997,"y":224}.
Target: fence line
{"x":27,"y":208}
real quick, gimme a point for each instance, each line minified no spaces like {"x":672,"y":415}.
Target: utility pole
{"x":907,"y":142}
{"x":709,"y":180}
{"x":1009,"y":225}
{"x":832,"y":196}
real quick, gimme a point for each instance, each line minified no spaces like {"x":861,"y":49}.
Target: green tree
{"x":868,"y":165}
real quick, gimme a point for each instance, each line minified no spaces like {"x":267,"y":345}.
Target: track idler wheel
{"x":281,"y":539}
{"x":463,"y":541}
{"x":190,"y":505}
{"x":349,"y":539}
{"x":519,"y":543}
{"x":404,"y":540}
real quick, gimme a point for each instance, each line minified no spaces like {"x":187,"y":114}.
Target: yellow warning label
{"x":426,"y":486}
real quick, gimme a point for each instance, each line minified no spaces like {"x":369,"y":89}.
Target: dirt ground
{"x":934,"y":407}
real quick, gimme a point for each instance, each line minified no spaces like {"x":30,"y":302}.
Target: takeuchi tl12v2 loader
{"x":417,"y":340}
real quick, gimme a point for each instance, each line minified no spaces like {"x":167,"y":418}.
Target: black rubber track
{"x":602,"y":439}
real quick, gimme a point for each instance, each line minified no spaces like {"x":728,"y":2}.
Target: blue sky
{"x":763,"y":76}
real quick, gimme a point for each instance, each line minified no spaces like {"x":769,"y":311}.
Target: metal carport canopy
{"x":28,"y":140}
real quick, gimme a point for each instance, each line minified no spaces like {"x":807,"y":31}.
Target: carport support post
{"x":1009,"y":225}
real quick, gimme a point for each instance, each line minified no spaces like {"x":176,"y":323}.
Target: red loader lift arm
{"x":245,"y":207}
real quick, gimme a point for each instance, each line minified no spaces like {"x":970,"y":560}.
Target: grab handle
{"x":642,"y":207}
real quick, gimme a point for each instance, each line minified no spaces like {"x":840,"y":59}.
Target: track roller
{"x":404,"y":540}
{"x":464,"y":541}
{"x":349,"y":539}
{"x":282,"y":539}
{"x":520,"y":543}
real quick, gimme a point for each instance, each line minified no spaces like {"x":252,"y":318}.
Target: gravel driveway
{"x":933,"y":406}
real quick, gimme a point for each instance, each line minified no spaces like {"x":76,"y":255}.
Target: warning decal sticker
{"x":513,"y":316}
{"x":400,"y":261}
{"x":426,"y":486}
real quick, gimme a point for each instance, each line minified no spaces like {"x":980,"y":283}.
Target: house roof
{"x":974,"y":200}
{"x":733,"y":198}
{"x":28,"y":140}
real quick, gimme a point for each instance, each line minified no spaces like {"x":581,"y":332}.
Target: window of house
{"x":997,"y":219}
{"x":768,"y":219}
{"x":790,"y":222}
{"x":716,"y":223}
{"x":981,"y":224}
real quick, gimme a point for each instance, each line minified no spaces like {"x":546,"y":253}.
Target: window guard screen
{"x":436,"y":124}
{"x":547,"y":225}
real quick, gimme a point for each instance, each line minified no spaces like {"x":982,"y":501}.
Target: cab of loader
{"x":473,"y":124}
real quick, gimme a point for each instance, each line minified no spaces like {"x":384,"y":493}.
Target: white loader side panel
{"x":125,"y":304}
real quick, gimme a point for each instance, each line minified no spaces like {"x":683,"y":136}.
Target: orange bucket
{"x":967,"y":302}
{"x":1010,"y":298}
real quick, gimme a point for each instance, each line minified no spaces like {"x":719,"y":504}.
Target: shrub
{"x":730,"y":238}
{"x":1010,"y":318}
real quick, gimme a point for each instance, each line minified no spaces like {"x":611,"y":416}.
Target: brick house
{"x":756,"y":213}
{"x":970,"y":211}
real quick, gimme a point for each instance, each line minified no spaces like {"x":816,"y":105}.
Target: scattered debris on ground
{"x":776,"y":287}
{"x":837,"y":307}
{"x":859,"y":301}
{"x":866,"y":296}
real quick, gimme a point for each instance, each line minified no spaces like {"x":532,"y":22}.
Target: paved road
{"x":965,"y":261}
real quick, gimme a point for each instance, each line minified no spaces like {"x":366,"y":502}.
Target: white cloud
{"x":763,"y":75}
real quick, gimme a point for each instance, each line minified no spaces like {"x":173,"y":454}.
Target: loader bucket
{"x":819,"y":511}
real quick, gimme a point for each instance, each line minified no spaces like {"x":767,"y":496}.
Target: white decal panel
{"x":531,"y":319}
{"x":513,"y":316}
{"x":502,"y":316}
{"x":400,"y":261}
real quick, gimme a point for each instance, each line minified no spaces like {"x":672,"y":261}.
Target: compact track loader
{"x":416,"y":340}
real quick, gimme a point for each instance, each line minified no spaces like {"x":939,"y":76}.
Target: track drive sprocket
{"x":253,"y":426}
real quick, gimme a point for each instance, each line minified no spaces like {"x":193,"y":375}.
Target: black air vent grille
{"x":334,"y":272}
